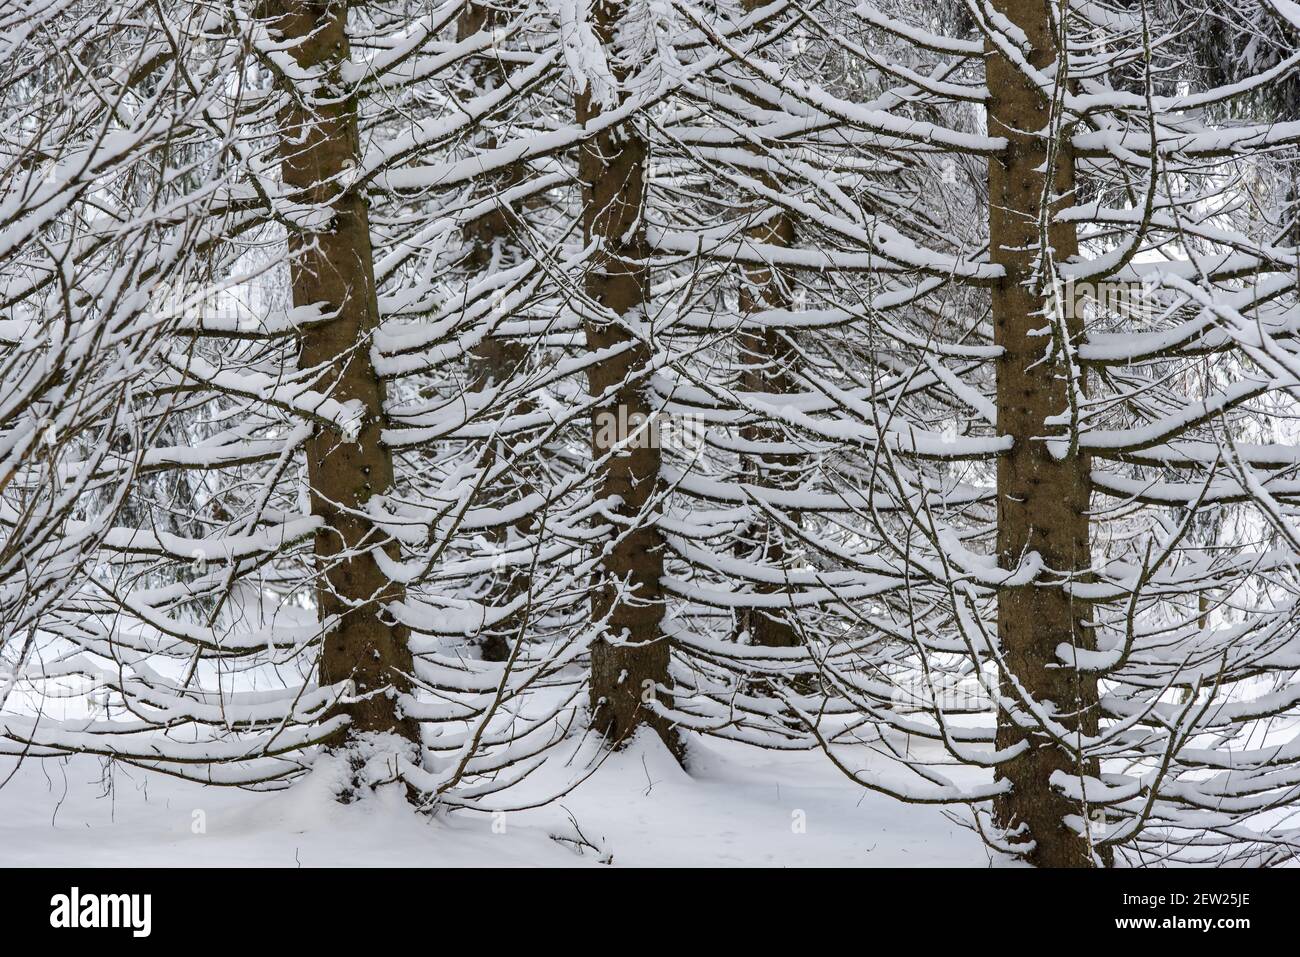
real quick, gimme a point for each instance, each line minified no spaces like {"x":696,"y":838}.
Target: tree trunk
{"x":766,"y":364}
{"x":629,"y":661}
{"x":332,"y":264}
{"x":1042,"y":501}
{"x":494,"y":360}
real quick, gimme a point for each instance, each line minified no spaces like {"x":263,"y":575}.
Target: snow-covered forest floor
{"x":737,"y":807}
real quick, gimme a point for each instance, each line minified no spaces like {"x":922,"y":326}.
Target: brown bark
{"x":630,"y":659}
{"x":1042,"y":501}
{"x":495,"y":359}
{"x":766,"y":362}
{"x":332,"y":264}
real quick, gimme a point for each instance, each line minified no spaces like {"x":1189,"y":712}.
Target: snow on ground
{"x":737,"y":807}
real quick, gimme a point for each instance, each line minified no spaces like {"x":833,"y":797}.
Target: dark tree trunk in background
{"x":495,"y":360}
{"x":766,"y":360}
{"x":630,"y":659}
{"x":766,"y":364}
{"x":1042,"y":501}
{"x":332,"y":265}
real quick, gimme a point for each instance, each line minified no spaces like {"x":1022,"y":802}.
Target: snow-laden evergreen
{"x":695,"y":355}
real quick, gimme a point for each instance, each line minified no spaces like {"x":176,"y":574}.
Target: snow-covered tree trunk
{"x":1042,"y":497}
{"x":332,"y":265}
{"x":629,"y":658}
